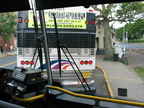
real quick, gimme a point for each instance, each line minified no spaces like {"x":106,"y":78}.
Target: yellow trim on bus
{"x":83,"y":96}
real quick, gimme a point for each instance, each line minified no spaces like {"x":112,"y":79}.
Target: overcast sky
{"x":118,"y":25}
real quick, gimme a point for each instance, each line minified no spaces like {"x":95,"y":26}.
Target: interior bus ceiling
{"x":18,"y":5}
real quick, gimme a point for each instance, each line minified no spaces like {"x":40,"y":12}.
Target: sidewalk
{"x":8,"y":54}
{"x":120,"y":76}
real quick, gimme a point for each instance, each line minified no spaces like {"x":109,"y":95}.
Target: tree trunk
{"x":108,"y":39}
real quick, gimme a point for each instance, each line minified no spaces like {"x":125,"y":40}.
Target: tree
{"x":136,"y":28}
{"x":7,"y":25}
{"x":122,"y":12}
{"x":119,"y":33}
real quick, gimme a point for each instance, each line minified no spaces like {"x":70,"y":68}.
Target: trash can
{"x":115,"y":57}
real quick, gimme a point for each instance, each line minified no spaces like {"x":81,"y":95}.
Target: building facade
{"x":100,"y":38}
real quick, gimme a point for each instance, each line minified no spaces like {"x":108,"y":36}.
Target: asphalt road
{"x":135,"y":58}
{"x":8,"y":62}
{"x":101,"y":87}
{"x":131,"y":45}
{"x":135,"y":54}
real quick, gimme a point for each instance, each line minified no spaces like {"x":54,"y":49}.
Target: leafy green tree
{"x":119,"y":33}
{"x":129,"y":28}
{"x":130,"y":11}
{"x":122,"y":12}
{"x":7,"y":25}
{"x":136,"y":29}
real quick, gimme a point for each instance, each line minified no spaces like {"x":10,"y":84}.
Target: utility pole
{"x":126,"y":37}
{"x":124,"y":34}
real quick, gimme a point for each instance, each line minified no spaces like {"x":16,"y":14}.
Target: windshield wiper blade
{"x":58,"y":44}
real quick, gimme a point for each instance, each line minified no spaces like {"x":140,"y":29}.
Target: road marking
{"x":8,"y":64}
{"x":3,"y":56}
{"x":139,"y":52}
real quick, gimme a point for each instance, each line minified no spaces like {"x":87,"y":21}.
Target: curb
{"x":133,"y":71}
{"x":107,"y":82}
{"x":5,"y":55}
{"x":2,"y":56}
{"x":136,"y":50}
